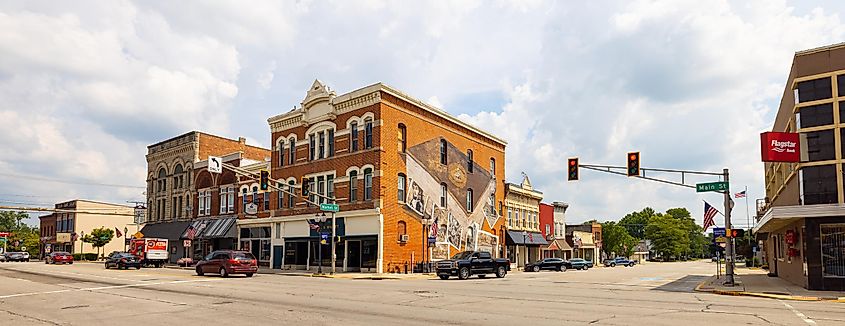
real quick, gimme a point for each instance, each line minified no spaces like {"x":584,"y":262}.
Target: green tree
{"x":635,"y":222}
{"x":22,"y":235}
{"x":99,"y":237}
{"x":669,"y":239}
{"x":616,"y":240}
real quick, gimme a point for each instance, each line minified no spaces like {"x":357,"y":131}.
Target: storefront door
{"x":353,"y":256}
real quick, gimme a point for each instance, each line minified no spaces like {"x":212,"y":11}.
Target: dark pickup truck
{"x":468,"y":263}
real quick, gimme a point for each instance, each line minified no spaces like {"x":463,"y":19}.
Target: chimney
{"x":242,"y":140}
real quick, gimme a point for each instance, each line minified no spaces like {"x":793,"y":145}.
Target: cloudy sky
{"x":85,"y":86}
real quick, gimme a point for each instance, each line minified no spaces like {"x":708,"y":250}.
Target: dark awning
{"x":167,"y":230}
{"x":212,"y":228}
{"x":530,"y":239}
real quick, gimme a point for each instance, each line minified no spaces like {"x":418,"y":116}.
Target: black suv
{"x":468,"y":263}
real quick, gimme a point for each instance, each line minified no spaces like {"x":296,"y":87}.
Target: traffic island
{"x":761,"y":286}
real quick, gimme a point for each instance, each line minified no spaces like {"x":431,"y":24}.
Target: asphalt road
{"x":650,"y":294}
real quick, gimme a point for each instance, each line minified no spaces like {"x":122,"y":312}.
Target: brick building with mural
{"x":413,"y":183}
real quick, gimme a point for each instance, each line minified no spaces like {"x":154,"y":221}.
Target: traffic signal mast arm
{"x":273,"y":182}
{"x":610,"y":168}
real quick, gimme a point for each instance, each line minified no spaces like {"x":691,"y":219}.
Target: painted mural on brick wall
{"x":459,"y":223}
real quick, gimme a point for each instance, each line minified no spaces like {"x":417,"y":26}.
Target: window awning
{"x":530,"y":238}
{"x":778,"y":217}
{"x":211,"y":228}
{"x":559,"y":244}
{"x":167,"y":230}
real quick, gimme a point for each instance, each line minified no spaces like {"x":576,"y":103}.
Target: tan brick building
{"x":63,"y":231}
{"x":395,"y":166}
{"x":171,"y":178}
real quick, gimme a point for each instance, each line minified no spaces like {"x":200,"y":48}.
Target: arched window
{"x":178,"y":177}
{"x":281,"y":153}
{"x":492,"y":166}
{"x":469,"y":200}
{"x":162,"y":180}
{"x":291,"y":151}
{"x":443,"y":151}
{"x":312,"y":147}
{"x":243,"y":196}
{"x":353,"y":186}
{"x":368,"y":133}
{"x":189,"y":210}
{"x":353,"y":135}
{"x":401,"y":229}
{"x":443,"y":193}
{"x":403,"y":134}
{"x":469,"y":160}
{"x":401,"y":187}
{"x":368,"y":184}
{"x":255,"y":195}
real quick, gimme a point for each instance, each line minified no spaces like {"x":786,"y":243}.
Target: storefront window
{"x":833,"y":250}
{"x":265,"y":250}
{"x":369,"y":253}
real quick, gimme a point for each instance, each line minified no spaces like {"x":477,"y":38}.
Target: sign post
{"x":334,"y":208}
{"x":729,"y":250}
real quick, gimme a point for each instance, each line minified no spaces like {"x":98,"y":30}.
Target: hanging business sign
{"x":780,"y":147}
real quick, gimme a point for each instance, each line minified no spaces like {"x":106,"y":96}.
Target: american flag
{"x":740,"y":194}
{"x":709,"y":213}
{"x":432,"y":233}
{"x":313,"y":225}
{"x":191,"y":232}
{"x":117,"y":232}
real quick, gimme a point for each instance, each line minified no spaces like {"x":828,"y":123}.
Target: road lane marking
{"x":799,"y":314}
{"x":99,"y":288}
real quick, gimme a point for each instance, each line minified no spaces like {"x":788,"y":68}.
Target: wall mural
{"x":455,"y":225}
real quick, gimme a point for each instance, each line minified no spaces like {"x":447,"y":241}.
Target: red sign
{"x":4,"y":234}
{"x":779,"y":147}
{"x":156,"y":245}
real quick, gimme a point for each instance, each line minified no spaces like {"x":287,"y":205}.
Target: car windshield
{"x":462,"y":255}
{"x":126,"y":255}
{"x":243,"y":256}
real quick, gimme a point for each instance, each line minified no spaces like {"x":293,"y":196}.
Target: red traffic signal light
{"x":572,"y":168}
{"x":737,"y":233}
{"x":633,"y":164}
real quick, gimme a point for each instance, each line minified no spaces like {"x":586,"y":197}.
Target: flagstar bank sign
{"x":779,"y":147}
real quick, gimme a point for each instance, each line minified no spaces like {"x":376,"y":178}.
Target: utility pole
{"x":334,"y":244}
{"x":729,"y":251}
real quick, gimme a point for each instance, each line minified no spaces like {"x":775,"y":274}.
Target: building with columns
{"x":524,"y":241}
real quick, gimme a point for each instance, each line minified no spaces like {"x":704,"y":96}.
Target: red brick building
{"x":405,"y":174}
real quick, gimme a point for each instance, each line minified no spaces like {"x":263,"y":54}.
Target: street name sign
{"x":330,"y":208}
{"x":711,"y":186}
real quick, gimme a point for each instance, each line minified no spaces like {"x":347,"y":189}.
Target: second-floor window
{"x":291,"y":151}
{"x":266,"y":196}
{"x":290,"y":195}
{"x":311,"y":147}
{"x":353,"y":186}
{"x":224,"y":199}
{"x":330,"y":150}
{"x":443,"y":151}
{"x":469,"y":161}
{"x":368,"y":184}
{"x":403,"y":142}
{"x":282,"y":153}
{"x":321,"y":149}
{"x":492,"y":166}
{"x":401,"y":187}
{"x":280,"y":199}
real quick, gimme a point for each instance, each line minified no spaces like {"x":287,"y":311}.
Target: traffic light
{"x":265,"y":180}
{"x":633,"y":164}
{"x":737,"y":233}
{"x":572,"y":166}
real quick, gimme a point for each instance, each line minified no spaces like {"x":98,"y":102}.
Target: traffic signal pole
{"x":729,"y":250}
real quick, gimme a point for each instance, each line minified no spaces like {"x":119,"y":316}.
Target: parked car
{"x":59,"y":257}
{"x":580,"y":263}
{"x":123,"y":260}
{"x":622,"y":261}
{"x":551,"y":264}
{"x":228,"y":262}
{"x":17,"y":256}
{"x":468,"y":263}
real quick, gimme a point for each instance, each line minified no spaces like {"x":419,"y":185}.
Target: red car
{"x":59,"y":258}
{"x":228,"y":262}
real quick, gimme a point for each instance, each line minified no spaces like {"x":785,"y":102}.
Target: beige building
{"x":79,"y":217}
{"x":524,"y":238}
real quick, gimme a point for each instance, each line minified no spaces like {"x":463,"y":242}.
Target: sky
{"x":85,"y":86}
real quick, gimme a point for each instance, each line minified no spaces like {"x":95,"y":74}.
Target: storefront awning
{"x":559,"y":244}
{"x":167,"y":230}
{"x":530,"y":239}
{"x":211,"y":228}
{"x":780,"y":216}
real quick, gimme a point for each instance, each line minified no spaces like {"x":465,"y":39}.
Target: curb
{"x":700,"y":288}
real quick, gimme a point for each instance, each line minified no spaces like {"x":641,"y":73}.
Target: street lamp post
{"x":524,"y":235}
{"x":81,"y":250}
{"x":320,"y":219}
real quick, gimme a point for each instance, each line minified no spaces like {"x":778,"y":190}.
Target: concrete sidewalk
{"x":755,"y":283}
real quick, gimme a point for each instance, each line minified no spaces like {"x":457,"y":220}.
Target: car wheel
{"x":107,"y":265}
{"x":500,"y":272}
{"x":223,"y":272}
{"x":199,"y":271}
{"x":463,"y":273}
{"x":612,"y":265}
{"x":631,"y":265}
{"x":46,"y":262}
{"x":444,"y":277}
{"x":70,"y":263}
{"x":138,"y":267}
{"x":536,"y":269}
{"x":248,"y":274}
{"x":561,"y":268}
{"x":119,"y":266}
